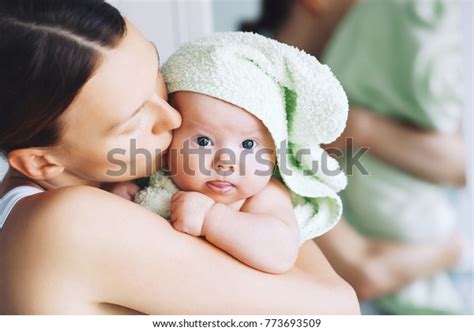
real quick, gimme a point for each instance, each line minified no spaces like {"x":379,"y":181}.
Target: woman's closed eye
{"x":134,"y":124}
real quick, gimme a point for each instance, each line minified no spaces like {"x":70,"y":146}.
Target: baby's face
{"x":220,"y":149}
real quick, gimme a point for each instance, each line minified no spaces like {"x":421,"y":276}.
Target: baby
{"x":228,"y":194}
{"x":242,"y":98}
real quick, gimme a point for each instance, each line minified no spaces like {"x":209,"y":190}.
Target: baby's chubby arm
{"x":263,"y":235}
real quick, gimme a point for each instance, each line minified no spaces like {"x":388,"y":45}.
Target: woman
{"x":77,"y":81}
{"x":78,"y":85}
{"x":372,"y":267}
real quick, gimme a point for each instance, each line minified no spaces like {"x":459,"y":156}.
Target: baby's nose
{"x":224,"y":164}
{"x":225,"y":167}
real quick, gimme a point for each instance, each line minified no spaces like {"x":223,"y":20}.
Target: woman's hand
{"x":188,"y":211}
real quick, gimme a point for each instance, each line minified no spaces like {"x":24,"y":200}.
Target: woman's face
{"x":120,"y":122}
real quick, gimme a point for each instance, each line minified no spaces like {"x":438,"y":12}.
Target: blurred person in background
{"x":418,"y":144}
{"x":73,"y":74}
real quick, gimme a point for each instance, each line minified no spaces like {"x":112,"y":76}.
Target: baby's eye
{"x":248,"y":144}
{"x":203,"y":141}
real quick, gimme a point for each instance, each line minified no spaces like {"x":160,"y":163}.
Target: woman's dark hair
{"x":273,"y":14}
{"x":48,"y":50}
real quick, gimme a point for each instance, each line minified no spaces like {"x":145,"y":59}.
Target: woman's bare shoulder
{"x":75,"y":213}
{"x":72,"y":195}
{"x":85,"y":216}
{"x":83,"y":204}
{"x":79,"y":222}
{"x":74,"y":235}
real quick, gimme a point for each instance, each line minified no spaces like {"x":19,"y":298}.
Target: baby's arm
{"x":263,"y":235}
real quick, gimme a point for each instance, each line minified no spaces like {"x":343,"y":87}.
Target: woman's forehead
{"x":124,"y":79}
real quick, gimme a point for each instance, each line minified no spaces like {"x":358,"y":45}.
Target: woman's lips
{"x":219,"y":186}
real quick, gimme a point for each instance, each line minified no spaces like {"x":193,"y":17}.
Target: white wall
{"x":169,"y":23}
{"x":468,"y":198}
{"x":228,"y":14}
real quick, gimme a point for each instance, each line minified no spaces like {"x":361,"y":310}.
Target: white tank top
{"x":8,"y":201}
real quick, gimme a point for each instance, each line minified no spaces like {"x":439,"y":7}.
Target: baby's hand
{"x":188,"y":211}
{"x":126,"y":190}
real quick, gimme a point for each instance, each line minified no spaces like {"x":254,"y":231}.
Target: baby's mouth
{"x":219,"y":186}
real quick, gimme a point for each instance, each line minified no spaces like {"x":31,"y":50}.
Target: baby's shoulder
{"x":274,"y":187}
{"x":273,"y":193}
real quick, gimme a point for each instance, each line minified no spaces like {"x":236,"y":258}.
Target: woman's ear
{"x":34,"y":163}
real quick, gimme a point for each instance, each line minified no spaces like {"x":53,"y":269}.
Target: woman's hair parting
{"x":48,"y":50}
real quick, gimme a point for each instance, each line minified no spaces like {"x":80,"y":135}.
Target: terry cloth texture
{"x":297,"y":98}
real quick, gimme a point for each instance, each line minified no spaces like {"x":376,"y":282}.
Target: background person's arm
{"x":377,"y":267}
{"x":133,"y":258}
{"x":434,"y":156}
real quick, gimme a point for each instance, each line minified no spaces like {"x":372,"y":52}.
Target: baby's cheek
{"x":199,"y":164}
{"x":252,"y":184}
{"x":190,"y":172}
{"x":256,"y":175}
{"x":258,"y":165}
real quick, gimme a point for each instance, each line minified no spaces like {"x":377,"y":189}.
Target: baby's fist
{"x":188,"y":211}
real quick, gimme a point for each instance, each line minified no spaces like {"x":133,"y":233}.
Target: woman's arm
{"x":263,"y":235}
{"x":377,"y":267}
{"x":433,"y":156}
{"x":133,"y":258}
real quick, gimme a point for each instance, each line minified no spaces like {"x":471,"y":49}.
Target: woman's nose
{"x":167,"y":118}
